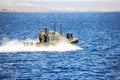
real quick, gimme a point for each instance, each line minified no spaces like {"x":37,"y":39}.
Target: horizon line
{"x":54,"y":11}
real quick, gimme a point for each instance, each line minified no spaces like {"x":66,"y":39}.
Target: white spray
{"x":18,"y":46}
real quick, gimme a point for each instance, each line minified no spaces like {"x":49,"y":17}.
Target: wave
{"x":18,"y":46}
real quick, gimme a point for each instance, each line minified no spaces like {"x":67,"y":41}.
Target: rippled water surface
{"x":99,"y":38}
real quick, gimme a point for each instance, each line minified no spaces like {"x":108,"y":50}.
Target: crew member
{"x":46,"y":37}
{"x":40,"y":38}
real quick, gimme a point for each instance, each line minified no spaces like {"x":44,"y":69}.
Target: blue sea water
{"x":98,"y":33}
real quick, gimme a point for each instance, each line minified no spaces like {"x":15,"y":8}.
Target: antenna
{"x":60,"y":28}
{"x":54,"y":27}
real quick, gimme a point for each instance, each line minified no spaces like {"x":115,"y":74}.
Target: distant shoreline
{"x":44,"y":9}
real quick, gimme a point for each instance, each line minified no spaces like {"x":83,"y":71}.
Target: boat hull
{"x":74,"y":40}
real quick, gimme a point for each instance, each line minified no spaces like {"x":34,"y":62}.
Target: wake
{"x":18,"y":46}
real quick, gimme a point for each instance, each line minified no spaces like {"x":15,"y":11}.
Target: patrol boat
{"x":52,"y":37}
